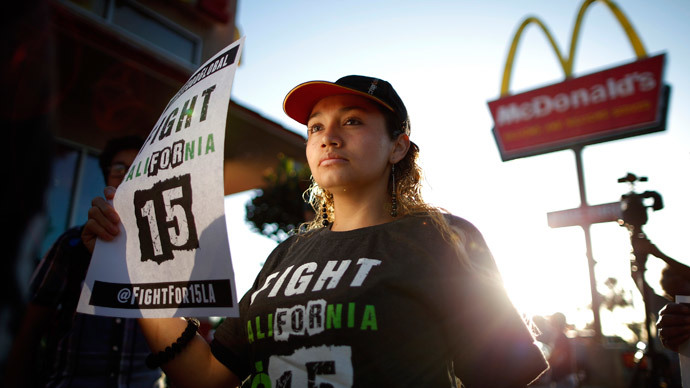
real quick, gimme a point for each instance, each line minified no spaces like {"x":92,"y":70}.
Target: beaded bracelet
{"x":155,"y":360}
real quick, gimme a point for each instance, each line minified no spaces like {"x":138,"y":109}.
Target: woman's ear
{"x":400,"y":147}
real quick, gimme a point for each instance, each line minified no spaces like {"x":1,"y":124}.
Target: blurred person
{"x":380,"y":289}
{"x":81,"y":350}
{"x":674,"y":325}
{"x":562,"y":355}
{"x":673,"y":282}
{"x":27,"y":87}
{"x":674,"y":318}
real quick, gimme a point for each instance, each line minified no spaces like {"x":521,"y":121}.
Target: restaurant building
{"x":117,"y":64}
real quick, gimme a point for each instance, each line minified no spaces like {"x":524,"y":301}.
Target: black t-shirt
{"x":387,"y":305}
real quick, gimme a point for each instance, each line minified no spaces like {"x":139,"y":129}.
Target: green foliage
{"x":616,"y":297}
{"x":277,"y":209}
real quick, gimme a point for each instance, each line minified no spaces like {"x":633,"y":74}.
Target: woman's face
{"x":348,"y":147}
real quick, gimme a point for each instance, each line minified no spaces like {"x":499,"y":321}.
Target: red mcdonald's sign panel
{"x":619,"y":102}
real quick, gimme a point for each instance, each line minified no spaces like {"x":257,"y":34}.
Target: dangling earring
{"x":324,"y":212}
{"x":394,"y":195}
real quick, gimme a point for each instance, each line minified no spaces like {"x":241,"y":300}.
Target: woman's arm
{"x":195,"y":365}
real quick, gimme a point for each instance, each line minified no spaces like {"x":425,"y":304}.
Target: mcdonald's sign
{"x":615,"y":103}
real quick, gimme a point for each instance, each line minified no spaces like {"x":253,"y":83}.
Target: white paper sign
{"x":172,"y":256}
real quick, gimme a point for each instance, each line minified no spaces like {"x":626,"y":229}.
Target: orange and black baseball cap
{"x":300,"y":101}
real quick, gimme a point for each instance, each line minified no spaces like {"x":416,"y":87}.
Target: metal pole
{"x":596,"y":302}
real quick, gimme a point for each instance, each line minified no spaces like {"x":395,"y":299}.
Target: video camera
{"x":633,"y":205}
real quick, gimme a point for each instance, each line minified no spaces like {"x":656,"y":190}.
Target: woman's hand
{"x":103,"y":220}
{"x":674,"y":325}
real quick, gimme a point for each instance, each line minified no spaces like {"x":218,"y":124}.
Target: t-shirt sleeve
{"x":488,"y":333}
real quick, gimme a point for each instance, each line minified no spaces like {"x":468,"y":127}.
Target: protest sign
{"x":172,"y":256}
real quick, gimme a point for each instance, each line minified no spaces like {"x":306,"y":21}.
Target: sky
{"x":446,"y":61}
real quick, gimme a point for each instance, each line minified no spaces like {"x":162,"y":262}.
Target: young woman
{"x":381,"y":289}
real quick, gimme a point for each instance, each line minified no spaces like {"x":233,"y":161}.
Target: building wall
{"x":118,"y":62}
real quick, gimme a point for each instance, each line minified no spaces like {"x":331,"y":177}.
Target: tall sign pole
{"x":615,"y":103}
{"x":584,"y":216}
{"x":586,"y":228}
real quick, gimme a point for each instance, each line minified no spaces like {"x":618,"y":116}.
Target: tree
{"x":278,"y":208}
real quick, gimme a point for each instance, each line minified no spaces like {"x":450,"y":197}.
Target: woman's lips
{"x":331,"y":159}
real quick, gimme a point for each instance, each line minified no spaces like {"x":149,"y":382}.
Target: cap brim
{"x":300,"y":101}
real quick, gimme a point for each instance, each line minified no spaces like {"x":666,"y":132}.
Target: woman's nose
{"x":331,"y":137}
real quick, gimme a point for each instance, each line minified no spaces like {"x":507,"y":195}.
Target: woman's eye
{"x":353,"y":121}
{"x":314,"y":128}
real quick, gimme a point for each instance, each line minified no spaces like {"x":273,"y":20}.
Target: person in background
{"x":674,"y":282}
{"x":562,"y":356}
{"x":28,"y":92}
{"x":80,"y":350}
{"x":674,"y":318}
{"x":381,"y":289}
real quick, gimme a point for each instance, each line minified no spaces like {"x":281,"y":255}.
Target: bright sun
{"x":555,"y":278}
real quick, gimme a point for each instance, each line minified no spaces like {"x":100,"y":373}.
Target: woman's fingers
{"x":103,"y":220}
{"x":680,"y":308}
{"x":90,"y":234}
{"x":673,"y":337}
{"x":674,"y":325}
{"x":674,"y":314}
{"x":104,"y":215}
{"x":109,"y":192}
